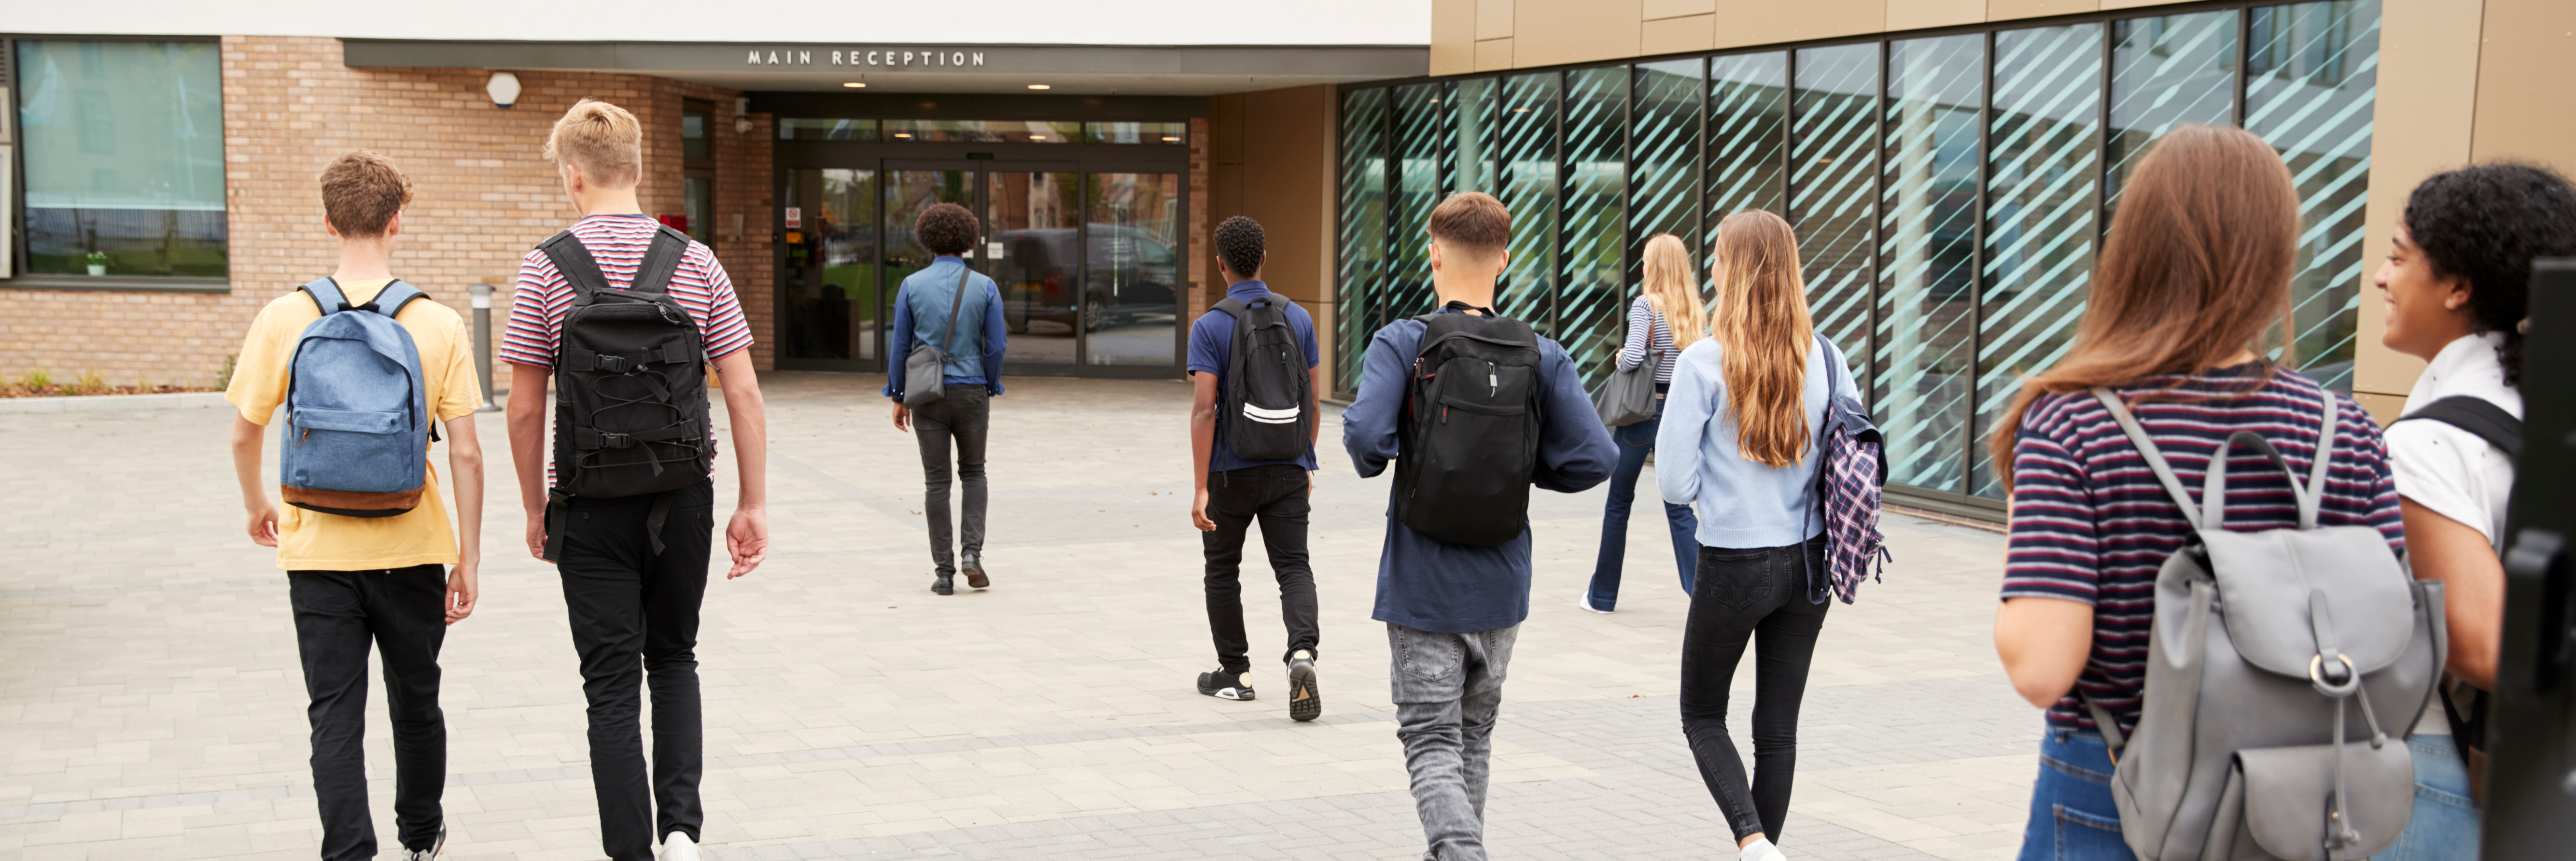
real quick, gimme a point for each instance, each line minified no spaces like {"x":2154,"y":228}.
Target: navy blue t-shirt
{"x":1212,"y":348}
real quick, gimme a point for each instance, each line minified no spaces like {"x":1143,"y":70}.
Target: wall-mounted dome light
{"x":503,"y":88}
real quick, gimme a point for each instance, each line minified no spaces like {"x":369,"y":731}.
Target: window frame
{"x":14,"y":208}
{"x":699,"y":168}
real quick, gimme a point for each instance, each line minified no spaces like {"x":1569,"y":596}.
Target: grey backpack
{"x":2266,"y":644}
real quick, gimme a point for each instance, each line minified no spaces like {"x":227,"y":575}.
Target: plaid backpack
{"x":1848,"y":482}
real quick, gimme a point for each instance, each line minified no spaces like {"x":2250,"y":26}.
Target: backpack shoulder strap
{"x":390,"y":301}
{"x":573,"y":261}
{"x":2315,"y":497}
{"x":1232,"y":307}
{"x":2147,"y":449}
{"x":661,"y":261}
{"x":2477,"y":416}
{"x":326,"y":295}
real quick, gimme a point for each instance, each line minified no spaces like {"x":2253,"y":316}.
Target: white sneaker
{"x":1584,"y":600}
{"x":1762,"y":850}
{"x":678,"y":847}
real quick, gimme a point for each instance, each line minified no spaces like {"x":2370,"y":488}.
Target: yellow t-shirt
{"x":312,"y":540}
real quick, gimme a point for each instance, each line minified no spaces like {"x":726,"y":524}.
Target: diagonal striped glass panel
{"x":1748,"y":140}
{"x":1927,"y":257}
{"x":1418,"y":148}
{"x":1363,"y":231}
{"x":2312,"y":72}
{"x":1832,"y":191}
{"x":1529,"y":181}
{"x":2042,"y":199}
{"x":1591,"y":307}
{"x":1663,"y":160}
{"x":2166,"y":72}
{"x":1471,"y":119}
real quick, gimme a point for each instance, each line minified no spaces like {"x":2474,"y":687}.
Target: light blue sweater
{"x":1741,"y":504}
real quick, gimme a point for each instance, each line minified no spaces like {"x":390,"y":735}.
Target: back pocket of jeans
{"x":1429,"y":657}
{"x":1738,"y":579}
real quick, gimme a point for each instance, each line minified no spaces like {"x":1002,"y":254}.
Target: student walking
{"x":1668,"y":295}
{"x":2456,"y":281}
{"x":2195,"y":272}
{"x":622,"y":314}
{"x":1495,"y":410}
{"x":1254,"y":375}
{"x":968,"y":355}
{"x":366,"y":539}
{"x":1740,"y":441}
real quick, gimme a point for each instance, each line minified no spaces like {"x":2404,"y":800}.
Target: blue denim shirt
{"x":921,"y":316}
{"x":1456,"y":588}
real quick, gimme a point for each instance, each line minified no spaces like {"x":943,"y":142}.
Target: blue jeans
{"x":1635,"y":442}
{"x":2072,"y":817}
{"x":2445,"y":822}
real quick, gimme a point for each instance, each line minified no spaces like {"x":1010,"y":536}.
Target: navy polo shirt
{"x":1212,"y":349}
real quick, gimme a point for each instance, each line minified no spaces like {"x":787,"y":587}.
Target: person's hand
{"x":747,"y":537}
{"x":1198,"y":512}
{"x":902,"y":417}
{"x":263,"y":522}
{"x":461,"y":592}
{"x":537,"y":534}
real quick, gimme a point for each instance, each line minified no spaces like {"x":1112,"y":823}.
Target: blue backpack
{"x":358,"y":425}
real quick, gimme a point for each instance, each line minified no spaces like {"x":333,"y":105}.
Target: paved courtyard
{"x":151,"y":705}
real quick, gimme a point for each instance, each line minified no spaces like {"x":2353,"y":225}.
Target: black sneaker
{"x":1305,"y":701}
{"x":972,"y":565}
{"x":944,"y":585}
{"x":1214,"y":683}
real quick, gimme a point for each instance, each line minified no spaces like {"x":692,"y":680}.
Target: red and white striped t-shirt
{"x":617,"y":243}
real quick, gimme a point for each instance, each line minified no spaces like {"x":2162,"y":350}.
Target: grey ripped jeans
{"x":1447,"y":688}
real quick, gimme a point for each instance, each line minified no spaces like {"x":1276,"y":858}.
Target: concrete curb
{"x":112,"y":403}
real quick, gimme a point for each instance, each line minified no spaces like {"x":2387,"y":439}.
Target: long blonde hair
{"x":1669,"y":290}
{"x":1760,"y":319}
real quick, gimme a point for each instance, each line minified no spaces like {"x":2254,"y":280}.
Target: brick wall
{"x":1211,"y":288}
{"x":482,"y":196}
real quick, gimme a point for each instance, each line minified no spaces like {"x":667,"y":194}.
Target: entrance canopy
{"x":1178,"y":70}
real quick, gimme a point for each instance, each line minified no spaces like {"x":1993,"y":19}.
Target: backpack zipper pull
{"x":1493,"y":383}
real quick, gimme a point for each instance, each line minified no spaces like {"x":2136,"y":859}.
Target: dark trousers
{"x":1276,"y":496}
{"x":1769,"y":595}
{"x":963,"y":415}
{"x":635,"y":623}
{"x":337,"y":614}
{"x":1636,"y":441}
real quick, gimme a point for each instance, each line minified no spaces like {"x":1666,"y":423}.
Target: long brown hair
{"x":2196,"y":267}
{"x":1760,"y":320}
{"x":1670,"y":289}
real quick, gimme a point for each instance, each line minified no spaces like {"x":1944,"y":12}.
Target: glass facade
{"x":124,"y":151}
{"x":1949,"y":192}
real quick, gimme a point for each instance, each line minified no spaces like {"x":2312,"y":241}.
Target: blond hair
{"x":1760,"y":319}
{"x":605,"y":141}
{"x":1668,"y":289}
{"x":361,"y":193}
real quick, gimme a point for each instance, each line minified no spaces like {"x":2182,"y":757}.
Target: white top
{"x":2449,"y":470}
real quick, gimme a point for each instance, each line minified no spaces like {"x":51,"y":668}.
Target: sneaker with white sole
{"x":1585,"y":601}
{"x":431,"y":853}
{"x":1305,"y":700}
{"x":677,"y":846}
{"x":1225,"y":686}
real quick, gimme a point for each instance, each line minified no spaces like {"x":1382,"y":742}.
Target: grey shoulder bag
{"x":925,"y":369}
{"x":1628,"y":397}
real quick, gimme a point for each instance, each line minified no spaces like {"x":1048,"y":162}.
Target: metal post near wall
{"x":483,"y":342}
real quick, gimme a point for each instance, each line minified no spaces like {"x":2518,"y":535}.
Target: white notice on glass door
{"x":992,"y":251}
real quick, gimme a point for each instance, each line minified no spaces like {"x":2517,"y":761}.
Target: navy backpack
{"x":358,"y":425}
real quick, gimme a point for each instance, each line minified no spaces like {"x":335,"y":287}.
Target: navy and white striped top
{"x":1642,"y":319}
{"x":2090,"y":523}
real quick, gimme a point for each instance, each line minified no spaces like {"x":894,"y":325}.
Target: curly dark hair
{"x":1239,"y":243}
{"x":946,"y":228}
{"x":2484,"y":223}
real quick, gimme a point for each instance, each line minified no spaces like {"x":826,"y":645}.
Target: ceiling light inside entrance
{"x":854,"y":84}
{"x":1041,"y":87}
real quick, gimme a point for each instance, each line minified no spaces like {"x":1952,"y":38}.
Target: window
{"x":1136,"y":133}
{"x":697,"y":171}
{"x":982,"y":131}
{"x":808,"y":129}
{"x":123,"y":143}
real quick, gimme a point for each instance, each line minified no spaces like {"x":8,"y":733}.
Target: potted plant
{"x":98,"y":263}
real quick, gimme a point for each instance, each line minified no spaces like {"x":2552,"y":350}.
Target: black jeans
{"x":1767,"y":594}
{"x":635,"y":622}
{"x":964,"y":414}
{"x":402,"y":611}
{"x":1275,"y":495}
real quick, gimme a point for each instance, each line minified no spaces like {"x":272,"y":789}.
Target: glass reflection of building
{"x":1950,"y":192}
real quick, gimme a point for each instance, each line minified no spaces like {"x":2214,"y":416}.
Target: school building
{"x":1950,"y":164}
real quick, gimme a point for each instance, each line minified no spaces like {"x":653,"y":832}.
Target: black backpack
{"x":1468,"y":442}
{"x":1267,"y":385}
{"x":630,"y":389}
{"x":2464,"y":706}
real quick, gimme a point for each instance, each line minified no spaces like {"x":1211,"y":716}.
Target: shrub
{"x":224,"y":375}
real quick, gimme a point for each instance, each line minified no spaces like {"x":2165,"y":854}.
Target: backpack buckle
{"x":615,"y":440}
{"x":613,"y":364}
